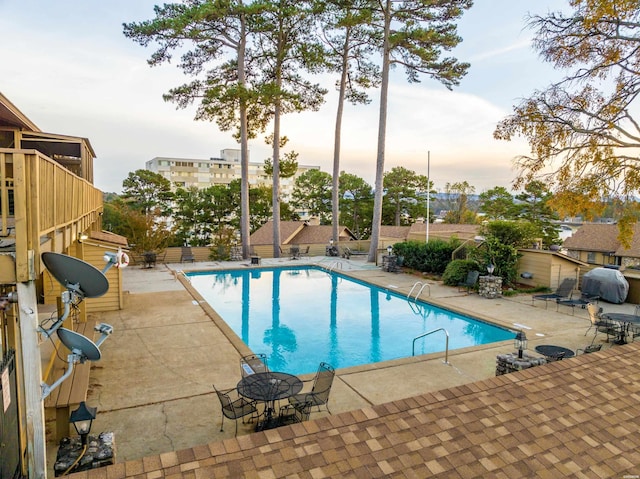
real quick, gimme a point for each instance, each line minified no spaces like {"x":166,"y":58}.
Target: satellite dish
{"x":76,"y":274}
{"x":79,"y":344}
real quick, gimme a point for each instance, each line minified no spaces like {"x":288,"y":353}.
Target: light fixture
{"x":111,"y":259}
{"x":82,"y":237}
{"x":82,"y":418}
{"x":490,"y":269}
{"x":520,"y":342}
{"x":331,"y":242}
{"x":389,"y":250}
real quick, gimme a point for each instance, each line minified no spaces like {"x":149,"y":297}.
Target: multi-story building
{"x":187,"y":172}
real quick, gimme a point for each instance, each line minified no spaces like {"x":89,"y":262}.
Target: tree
{"x":285,"y":45}
{"x":147,"y":191}
{"x":497,"y":204}
{"x":356,"y":207}
{"x":414,"y":34}
{"x":219,"y":32}
{"x":457,"y":197}
{"x":191,"y":225}
{"x":312,"y":192}
{"x":404,"y":192}
{"x":536,"y":209}
{"x":582,"y":130}
{"x":350,"y":41}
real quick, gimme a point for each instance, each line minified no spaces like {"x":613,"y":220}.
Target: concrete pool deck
{"x":153,"y":385}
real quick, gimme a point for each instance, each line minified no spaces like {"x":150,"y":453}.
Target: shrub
{"x":431,"y":257}
{"x":457,"y":270}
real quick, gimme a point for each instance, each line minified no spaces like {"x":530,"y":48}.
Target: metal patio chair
{"x":319,"y":394}
{"x":234,"y":408}
{"x":253,"y":363}
{"x":470,"y":282}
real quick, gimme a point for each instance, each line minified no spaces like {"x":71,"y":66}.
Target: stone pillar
{"x":508,"y":363}
{"x":490,"y":286}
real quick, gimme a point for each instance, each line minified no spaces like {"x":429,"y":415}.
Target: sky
{"x":68,"y":67}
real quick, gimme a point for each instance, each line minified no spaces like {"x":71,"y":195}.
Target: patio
{"x":153,"y":389}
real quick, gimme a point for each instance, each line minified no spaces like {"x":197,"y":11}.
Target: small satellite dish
{"x":79,"y":344}
{"x":76,"y":274}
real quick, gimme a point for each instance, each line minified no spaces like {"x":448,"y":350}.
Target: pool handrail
{"x":335,"y":265}
{"x":446,"y":349}
{"x":418,"y":283}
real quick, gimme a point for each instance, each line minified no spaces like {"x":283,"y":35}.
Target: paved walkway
{"x":153,"y":385}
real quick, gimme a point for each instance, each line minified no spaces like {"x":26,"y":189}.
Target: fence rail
{"x":43,"y":206}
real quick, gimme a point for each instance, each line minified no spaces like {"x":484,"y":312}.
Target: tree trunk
{"x":276,"y":181}
{"x":335,"y":194}
{"x":382,"y":131}
{"x":244,"y":149}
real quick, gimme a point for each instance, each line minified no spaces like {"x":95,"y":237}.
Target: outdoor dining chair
{"x":253,"y":363}
{"x":600,"y":324}
{"x":470,"y":282}
{"x":235,"y":407}
{"x":290,"y":414}
{"x":319,"y":394}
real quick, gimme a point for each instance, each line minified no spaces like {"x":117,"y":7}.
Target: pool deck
{"x":153,"y":385}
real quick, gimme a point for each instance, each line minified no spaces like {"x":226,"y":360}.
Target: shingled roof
{"x":299,"y":232}
{"x":594,"y":237}
{"x":573,"y":418}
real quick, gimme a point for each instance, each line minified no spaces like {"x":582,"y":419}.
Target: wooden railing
{"x":43,"y":206}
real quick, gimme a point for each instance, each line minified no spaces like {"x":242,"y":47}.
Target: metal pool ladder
{"x":446,"y":349}
{"x":336,"y":265}
{"x":419,"y":283}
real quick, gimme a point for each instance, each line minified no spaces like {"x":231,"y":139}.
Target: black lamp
{"x":82,"y":419}
{"x":490,"y":269}
{"x":389,"y":250}
{"x":520,"y":342}
{"x":331,"y":242}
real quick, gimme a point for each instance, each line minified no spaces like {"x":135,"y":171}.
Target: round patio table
{"x":269,"y":387}
{"x":554,"y":353}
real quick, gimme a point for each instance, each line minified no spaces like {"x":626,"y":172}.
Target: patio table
{"x":554,"y":353}
{"x":626,"y":320}
{"x":268,"y":387}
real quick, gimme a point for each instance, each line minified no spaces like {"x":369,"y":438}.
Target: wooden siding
{"x":51,"y":205}
{"x":547,"y":268}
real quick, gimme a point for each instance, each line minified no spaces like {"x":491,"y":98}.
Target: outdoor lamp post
{"x":82,"y":419}
{"x":389,"y":250}
{"x":520,"y":343}
{"x":490,"y":269}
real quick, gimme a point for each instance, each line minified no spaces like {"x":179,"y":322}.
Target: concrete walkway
{"x":153,"y":385}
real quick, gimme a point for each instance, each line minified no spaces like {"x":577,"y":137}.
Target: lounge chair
{"x":470,"y":282}
{"x":236,"y":407}
{"x":253,"y":363}
{"x":187,"y":255}
{"x":591,"y":348}
{"x":319,"y":394}
{"x":563,"y":292}
{"x":305,"y":253}
{"x":590,"y":294}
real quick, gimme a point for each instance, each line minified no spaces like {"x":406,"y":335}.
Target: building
{"x":48,"y":204}
{"x":201,"y":173}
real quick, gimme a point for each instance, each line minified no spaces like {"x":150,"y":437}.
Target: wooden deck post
{"x":36,"y":441}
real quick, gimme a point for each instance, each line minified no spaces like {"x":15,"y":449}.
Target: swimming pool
{"x":300,"y":316}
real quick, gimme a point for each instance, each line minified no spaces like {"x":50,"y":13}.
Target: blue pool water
{"x":300,"y":316}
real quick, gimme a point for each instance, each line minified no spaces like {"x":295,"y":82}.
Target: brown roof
{"x":109,"y":237}
{"x":459,"y":230}
{"x":634,"y":249}
{"x":579,"y":417}
{"x":400,"y":232}
{"x":594,"y":237}
{"x":298,"y":232}
{"x":264,"y":234}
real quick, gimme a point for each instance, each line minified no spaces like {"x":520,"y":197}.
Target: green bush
{"x":457,"y":270}
{"x":431,"y":257}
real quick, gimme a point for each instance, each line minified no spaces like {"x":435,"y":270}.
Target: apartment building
{"x":201,"y":173}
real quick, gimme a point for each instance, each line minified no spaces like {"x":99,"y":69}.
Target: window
{"x":591,"y":257}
